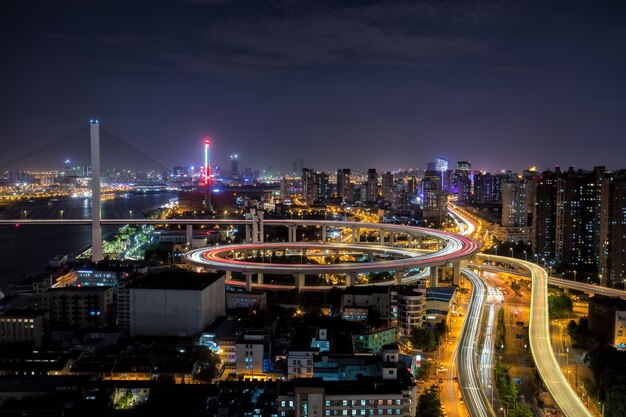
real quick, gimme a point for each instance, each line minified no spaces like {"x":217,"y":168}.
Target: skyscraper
{"x":372,"y":185}
{"x":344,"y":187}
{"x":387,"y":185}
{"x":612,"y":267}
{"x":322,"y":186}
{"x":309,"y":191}
{"x":234,"y":166}
{"x":544,"y":216}
{"x":577,"y":218}
{"x":514,"y":206}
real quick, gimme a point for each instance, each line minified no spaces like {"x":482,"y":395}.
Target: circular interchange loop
{"x":456,"y":248}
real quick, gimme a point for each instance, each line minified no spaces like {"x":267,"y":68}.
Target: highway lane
{"x":557,"y":282}
{"x":540,"y":344}
{"x":469,"y":377}
{"x":486,"y":358}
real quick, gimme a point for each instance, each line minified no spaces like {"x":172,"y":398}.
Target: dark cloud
{"x":379,"y":83}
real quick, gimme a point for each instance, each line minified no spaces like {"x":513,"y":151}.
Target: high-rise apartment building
{"x":514,"y":204}
{"x":612,"y":264}
{"x":234,"y":166}
{"x":578,"y":218}
{"x":372,"y":185}
{"x":309,"y":191}
{"x":322,"y":186}
{"x":344,"y":187}
{"x":387,"y":186}
{"x":544,"y":216}
{"x":487,"y":188}
{"x":315,"y":186}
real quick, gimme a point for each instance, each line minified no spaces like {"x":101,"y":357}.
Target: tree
{"x":560,"y":305}
{"x":423,"y":338}
{"x":440,"y":331}
{"x":373,"y":317}
{"x":429,"y":404}
{"x":207,"y":364}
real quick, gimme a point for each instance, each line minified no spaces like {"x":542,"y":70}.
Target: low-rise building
{"x":607,"y":318}
{"x":171,"y":302}
{"x":372,"y":340}
{"x":82,"y":306}
{"x":316,"y":397}
{"x":246,"y":299}
{"x":409,"y":303}
{"x":354,"y":313}
{"x":300,"y":363}
{"x":439,"y":301}
{"x":375,"y":297}
{"x":22,"y":326}
{"x":252,"y":355}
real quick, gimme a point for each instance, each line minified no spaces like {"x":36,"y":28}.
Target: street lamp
{"x":496,"y":246}
{"x":60,"y":214}
{"x":130,"y":212}
{"x":25,"y":213}
{"x":511,"y":249}
{"x":525,"y":255}
{"x":506,"y":408}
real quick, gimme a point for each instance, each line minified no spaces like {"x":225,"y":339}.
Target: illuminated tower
{"x":96,"y":230}
{"x":207,"y":174}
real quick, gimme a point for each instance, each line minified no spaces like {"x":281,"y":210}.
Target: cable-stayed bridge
{"x":97,"y":154}
{"x":72,"y":154}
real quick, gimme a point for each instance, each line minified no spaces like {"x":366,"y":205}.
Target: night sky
{"x":358,"y":84}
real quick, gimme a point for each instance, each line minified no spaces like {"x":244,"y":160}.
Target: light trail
{"x":473,"y":391}
{"x":539,"y":338}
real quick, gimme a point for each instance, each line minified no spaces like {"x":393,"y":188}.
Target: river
{"x":26,"y":250}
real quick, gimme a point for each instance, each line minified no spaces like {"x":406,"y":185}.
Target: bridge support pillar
{"x":324,"y":229}
{"x":392,"y":239}
{"x":248,"y":281}
{"x":355,"y":234}
{"x":456,"y":273}
{"x":397,"y":277}
{"x":259,"y":278}
{"x":434,"y":276}
{"x":350,"y":279}
{"x":257,"y":225}
{"x":292,"y":233}
{"x":566,"y":290}
{"x":420,"y":241}
{"x":299,"y":281}
{"x":248,"y":233}
{"x":229,"y":275}
{"x":381,"y":237}
{"x":96,"y":229}
{"x":189,"y":234}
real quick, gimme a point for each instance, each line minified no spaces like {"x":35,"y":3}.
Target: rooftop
{"x":175,"y":279}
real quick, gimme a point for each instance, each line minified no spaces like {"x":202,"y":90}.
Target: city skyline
{"x":380,"y":84}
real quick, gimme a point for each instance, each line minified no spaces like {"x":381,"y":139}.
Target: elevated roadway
{"x":539,"y":339}
{"x":469,"y":375}
{"x":558,"y":282}
{"x":215,"y":258}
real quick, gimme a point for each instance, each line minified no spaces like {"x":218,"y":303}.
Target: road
{"x":469,"y":376}
{"x":539,"y":338}
{"x":450,"y":392}
{"x":516,"y":356}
